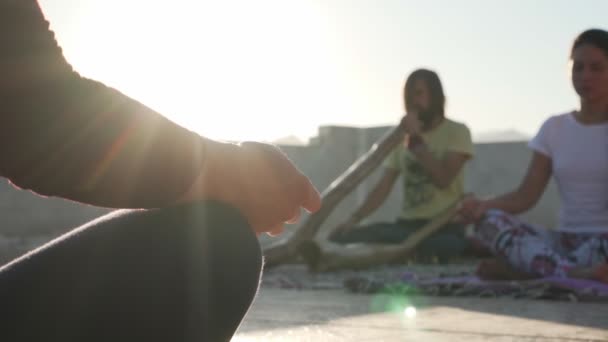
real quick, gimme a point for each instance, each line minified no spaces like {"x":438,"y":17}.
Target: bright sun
{"x":226,"y":69}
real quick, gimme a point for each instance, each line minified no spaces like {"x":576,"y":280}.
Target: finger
{"x":277,"y":230}
{"x":311,"y":197}
{"x":295,"y":217}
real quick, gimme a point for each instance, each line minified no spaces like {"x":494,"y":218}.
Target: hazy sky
{"x":265,"y":69}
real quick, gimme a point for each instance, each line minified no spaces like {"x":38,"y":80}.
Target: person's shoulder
{"x":549,"y":136}
{"x":559,"y":118}
{"x":457,"y":126}
{"x":556,"y":121}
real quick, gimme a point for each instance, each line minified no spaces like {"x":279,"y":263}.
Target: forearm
{"x":67,"y":136}
{"x":529,"y":191}
{"x":514,"y":202}
{"x":99,"y":148}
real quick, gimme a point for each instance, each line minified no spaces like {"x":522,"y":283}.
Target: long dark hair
{"x":431,"y":79}
{"x":596,"y":37}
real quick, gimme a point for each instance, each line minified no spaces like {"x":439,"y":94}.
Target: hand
{"x":412,"y":124}
{"x":472,"y":209}
{"x":415,"y":143}
{"x":259,"y":180}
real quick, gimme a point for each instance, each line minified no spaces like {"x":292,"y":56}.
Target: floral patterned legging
{"x":539,"y":251}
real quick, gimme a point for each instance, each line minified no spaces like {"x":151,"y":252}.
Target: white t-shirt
{"x":579,"y":156}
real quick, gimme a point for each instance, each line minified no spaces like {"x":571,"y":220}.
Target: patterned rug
{"x":297,"y":276}
{"x":434,"y":280}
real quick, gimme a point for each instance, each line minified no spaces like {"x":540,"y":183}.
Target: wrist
{"x":219,"y":165}
{"x":416,"y":144}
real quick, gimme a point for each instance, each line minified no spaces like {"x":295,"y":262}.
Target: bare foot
{"x":498,"y":269}
{"x":598,"y":273}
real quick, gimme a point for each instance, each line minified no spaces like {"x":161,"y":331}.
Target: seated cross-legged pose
{"x":573,"y":148}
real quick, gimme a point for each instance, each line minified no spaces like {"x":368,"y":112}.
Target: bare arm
{"x":377,"y":196}
{"x":529,"y":191}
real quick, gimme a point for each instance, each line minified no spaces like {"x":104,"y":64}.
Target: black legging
{"x":184,"y":273}
{"x":449,"y":242}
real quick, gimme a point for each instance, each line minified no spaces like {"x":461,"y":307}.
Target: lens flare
{"x":410,"y":312}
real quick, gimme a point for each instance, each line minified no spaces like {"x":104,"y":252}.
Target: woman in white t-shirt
{"x":573,"y":148}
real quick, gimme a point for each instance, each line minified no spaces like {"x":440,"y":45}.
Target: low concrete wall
{"x":28,"y":219}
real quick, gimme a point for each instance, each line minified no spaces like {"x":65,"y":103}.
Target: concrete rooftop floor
{"x":335,"y":315}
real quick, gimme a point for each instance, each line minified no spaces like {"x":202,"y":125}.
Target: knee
{"x":237,"y":244}
{"x":224,"y":262}
{"x":494,"y":223}
{"x":225,"y":234}
{"x":214,"y":239}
